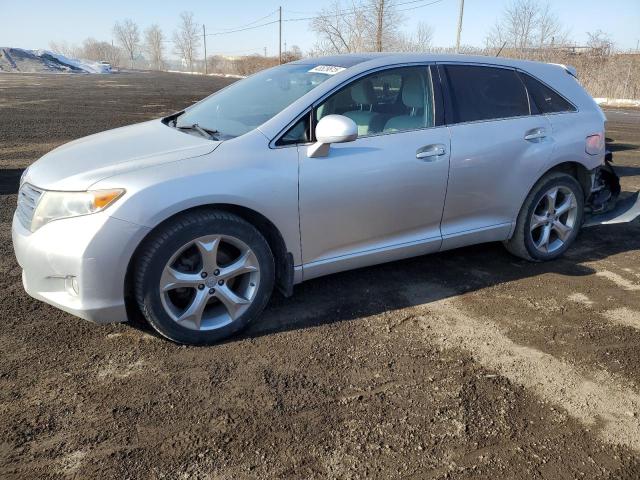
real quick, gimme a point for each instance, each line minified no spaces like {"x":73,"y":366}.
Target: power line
{"x":342,"y":12}
{"x":420,"y":6}
{"x":253,"y":27}
{"x":408,"y":3}
{"x":260,"y":19}
{"x":213,"y":34}
{"x":300,"y":12}
{"x":242,"y":29}
{"x":248,"y":24}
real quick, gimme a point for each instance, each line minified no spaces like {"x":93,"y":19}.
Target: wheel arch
{"x":284,"y":274}
{"x":576,"y":169}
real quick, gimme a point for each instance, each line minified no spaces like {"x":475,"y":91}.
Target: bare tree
{"x":549,"y":30}
{"x":98,"y":51}
{"x":383,"y":23}
{"x":91,"y":49}
{"x":249,"y":64}
{"x":424,"y":36}
{"x":112,"y":54}
{"x":420,"y":41}
{"x":66,"y":49}
{"x":370,"y":26}
{"x":294,"y":53}
{"x":216,"y":63}
{"x":128,"y":36}
{"x":187,"y":39}
{"x":526,"y":24}
{"x":154,"y":46}
{"x":600,"y":42}
{"x":340,"y":29}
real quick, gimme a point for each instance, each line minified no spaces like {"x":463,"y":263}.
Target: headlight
{"x":56,"y":205}
{"x":23,"y":176}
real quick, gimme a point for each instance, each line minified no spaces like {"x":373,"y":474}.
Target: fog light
{"x":71,"y":285}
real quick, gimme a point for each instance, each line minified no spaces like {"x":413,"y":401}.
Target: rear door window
{"x":485,"y":93}
{"x":546,"y":99}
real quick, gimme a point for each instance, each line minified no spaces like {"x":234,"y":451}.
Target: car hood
{"x":79,"y":164}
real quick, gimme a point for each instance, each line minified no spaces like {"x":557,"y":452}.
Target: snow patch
{"x":85,"y":65}
{"x":226,"y":75}
{"x":46,"y":61}
{"x":617,"y":102}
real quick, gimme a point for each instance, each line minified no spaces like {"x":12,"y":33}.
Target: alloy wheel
{"x":554,"y":219}
{"x":209,"y":282}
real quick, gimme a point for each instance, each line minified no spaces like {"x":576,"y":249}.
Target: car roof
{"x":345,"y":60}
{"x":378,"y":59}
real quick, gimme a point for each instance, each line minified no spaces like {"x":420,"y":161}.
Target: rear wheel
{"x":203,"y":277}
{"x":549,"y":220}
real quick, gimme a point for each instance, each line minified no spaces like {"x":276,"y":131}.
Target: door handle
{"x":429,"y":152}
{"x":535,"y":134}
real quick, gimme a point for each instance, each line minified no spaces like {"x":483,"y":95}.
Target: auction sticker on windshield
{"x":327,"y":69}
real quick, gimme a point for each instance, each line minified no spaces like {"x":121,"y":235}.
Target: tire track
{"x":624,"y":316}
{"x":593,"y":398}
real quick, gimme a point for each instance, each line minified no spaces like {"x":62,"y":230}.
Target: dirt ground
{"x":465,"y":364}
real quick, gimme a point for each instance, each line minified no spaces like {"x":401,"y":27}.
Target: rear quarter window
{"x":485,"y":93}
{"x":546,"y":99}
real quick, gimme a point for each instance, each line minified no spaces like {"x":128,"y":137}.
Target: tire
{"x":528,"y":239}
{"x":203,"y":276}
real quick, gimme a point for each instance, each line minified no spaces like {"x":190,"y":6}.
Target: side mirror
{"x":332,"y":129}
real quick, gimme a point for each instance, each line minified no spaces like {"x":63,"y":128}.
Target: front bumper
{"x":79,"y":264}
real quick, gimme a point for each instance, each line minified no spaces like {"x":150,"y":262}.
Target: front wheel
{"x":203,"y":276}
{"x":549,"y":220}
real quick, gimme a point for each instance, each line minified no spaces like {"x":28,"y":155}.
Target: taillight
{"x":595,"y":144}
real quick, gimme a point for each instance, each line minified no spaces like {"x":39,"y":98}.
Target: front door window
{"x":389,"y":101}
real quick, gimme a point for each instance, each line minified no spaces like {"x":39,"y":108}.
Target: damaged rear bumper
{"x":607,"y":204}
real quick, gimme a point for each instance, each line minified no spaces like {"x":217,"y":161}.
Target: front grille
{"x":28,"y":198}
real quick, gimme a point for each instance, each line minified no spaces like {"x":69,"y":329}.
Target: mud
{"x":465,"y":364}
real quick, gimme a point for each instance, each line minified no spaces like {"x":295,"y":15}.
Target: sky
{"x":33,"y":24}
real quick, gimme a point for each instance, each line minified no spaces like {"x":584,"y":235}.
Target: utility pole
{"x":280,"y":35}
{"x":265,"y":51}
{"x":204,"y":39}
{"x":380,"y":25}
{"x":459,"y":26}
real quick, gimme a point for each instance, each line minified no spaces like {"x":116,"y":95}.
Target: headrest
{"x":413,"y":92}
{"x":362,"y":93}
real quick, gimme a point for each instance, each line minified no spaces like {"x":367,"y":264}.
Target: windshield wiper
{"x":205,"y":132}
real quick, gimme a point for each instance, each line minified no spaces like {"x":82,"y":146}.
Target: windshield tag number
{"x":327,"y":69}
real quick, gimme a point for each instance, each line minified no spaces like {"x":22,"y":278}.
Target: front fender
{"x":260,"y":179}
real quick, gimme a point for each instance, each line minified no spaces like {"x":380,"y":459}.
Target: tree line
{"x":344,"y":26}
{"x":347,"y":26}
{"x":132,"y":47}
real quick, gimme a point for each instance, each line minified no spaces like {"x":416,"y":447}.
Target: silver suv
{"x":307,"y":169}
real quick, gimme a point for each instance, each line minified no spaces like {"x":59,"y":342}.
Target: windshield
{"x":249,"y":103}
